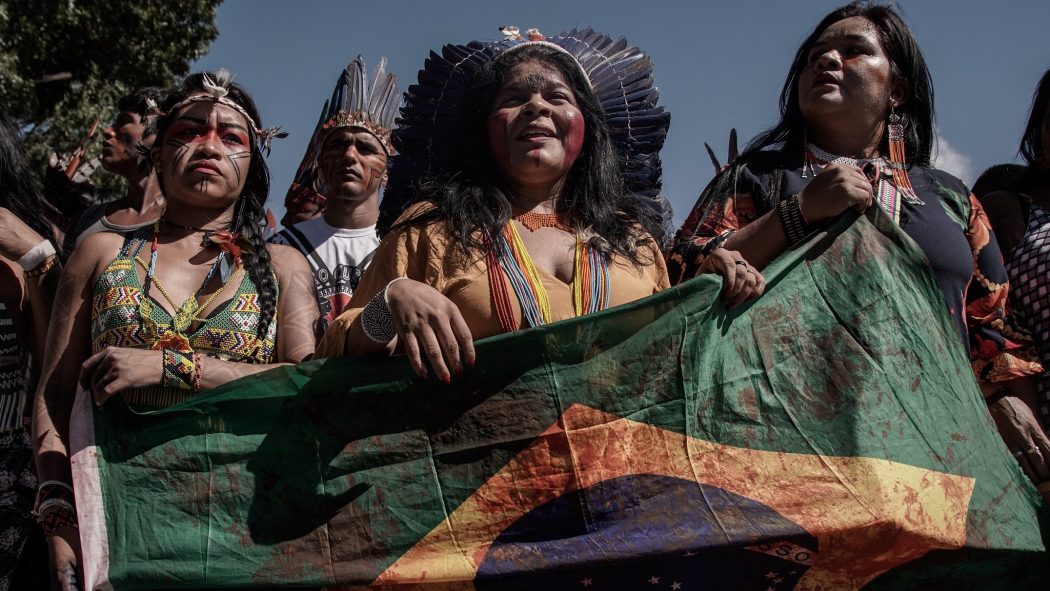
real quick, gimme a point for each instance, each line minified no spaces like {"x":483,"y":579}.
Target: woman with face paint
{"x":529,"y":224}
{"x":179,"y":307}
{"x":856,"y":131}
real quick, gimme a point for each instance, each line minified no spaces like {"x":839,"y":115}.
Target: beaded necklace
{"x":590,"y":282}
{"x":886,"y":192}
{"x":534,"y":221}
{"x":185,"y":314}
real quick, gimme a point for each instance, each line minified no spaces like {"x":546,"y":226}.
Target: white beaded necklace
{"x":828,"y":157}
{"x":886,"y":193}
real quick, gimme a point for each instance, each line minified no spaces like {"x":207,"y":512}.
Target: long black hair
{"x":1032,"y":149}
{"x":594,"y":196}
{"x":906,"y":63}
{"x":250,"y":210}
{"x":788,"y":135}
{"x":18,"y":193}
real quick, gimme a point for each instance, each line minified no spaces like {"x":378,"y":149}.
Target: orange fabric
{"x":424,"y":254}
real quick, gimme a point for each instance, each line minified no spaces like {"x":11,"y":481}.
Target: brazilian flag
{"x":829,"y":436}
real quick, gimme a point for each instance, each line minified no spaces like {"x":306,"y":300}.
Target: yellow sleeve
{"x":405,"y":252}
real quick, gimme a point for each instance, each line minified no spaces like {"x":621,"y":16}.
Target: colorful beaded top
{"x":229,"y":333}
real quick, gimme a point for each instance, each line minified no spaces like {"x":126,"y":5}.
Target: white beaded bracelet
{"x":376,"y":320}
{"x":37,"y":255}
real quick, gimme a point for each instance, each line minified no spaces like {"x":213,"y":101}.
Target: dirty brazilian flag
{"x":829,"y":436}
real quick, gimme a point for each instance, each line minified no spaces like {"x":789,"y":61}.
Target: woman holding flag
{"x":119,"y":329}
{"x":856,"y":130}
{"x":526,"y":218}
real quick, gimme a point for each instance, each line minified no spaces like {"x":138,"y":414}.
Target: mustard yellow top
{"x":426,"y":254}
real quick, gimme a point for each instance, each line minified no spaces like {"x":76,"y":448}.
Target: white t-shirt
{"x":338,"y":258}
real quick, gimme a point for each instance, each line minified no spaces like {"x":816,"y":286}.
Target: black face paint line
{"x":180,"y":154}
{"x":233,"y":158}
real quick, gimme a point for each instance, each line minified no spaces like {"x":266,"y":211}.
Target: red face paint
{"x":573,"y":141}
{"x":195,"y":130}
{"x":498,"y":124}
{"x":352,"y":162}
{"x":536,"y":129}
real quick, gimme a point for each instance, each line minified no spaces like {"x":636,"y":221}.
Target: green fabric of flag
{"x":829,"y":435}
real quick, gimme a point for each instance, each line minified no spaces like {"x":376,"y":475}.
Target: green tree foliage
{"x":65,"y":62}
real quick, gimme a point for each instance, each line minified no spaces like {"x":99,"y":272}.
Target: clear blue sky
{"x":718,"y":64}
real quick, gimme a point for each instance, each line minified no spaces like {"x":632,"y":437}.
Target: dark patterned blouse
{"x":949,"y":226}
{"x":1028,"y":265}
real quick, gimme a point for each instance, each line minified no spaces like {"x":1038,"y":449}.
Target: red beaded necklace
{"x":534,"y":221}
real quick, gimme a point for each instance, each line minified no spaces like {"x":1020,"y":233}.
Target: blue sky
{"x":718,"y":64}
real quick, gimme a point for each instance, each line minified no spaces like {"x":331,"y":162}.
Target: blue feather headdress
{"x":430,"y":128}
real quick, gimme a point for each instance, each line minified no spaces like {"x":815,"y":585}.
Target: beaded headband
{"x":429,"y":137}
{"x":532,"y":38}
{"x":216,"y":91}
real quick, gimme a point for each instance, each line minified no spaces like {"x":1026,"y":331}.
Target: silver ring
{"x":741,"y":262}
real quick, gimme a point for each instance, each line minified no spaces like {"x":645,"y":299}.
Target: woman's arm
{"x":67,"y":345}
{"x":837,"y":188}
{"x":297,"y":313}
{"x":16,"y":239}
{"x":1003,"y":358}
{"x":425,"y":321}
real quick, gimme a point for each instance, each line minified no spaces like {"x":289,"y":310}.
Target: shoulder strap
{"x":296,"y":238}
{"x":135,"y":238}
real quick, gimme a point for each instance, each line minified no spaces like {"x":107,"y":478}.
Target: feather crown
{"x":430,"y":130}
{"x":358,"y":101}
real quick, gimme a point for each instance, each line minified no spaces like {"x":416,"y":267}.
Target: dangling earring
{"x":809,"y":162}
{"x":898,"y":165}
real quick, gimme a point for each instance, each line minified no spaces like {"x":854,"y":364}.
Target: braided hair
{"x":250,"y":211}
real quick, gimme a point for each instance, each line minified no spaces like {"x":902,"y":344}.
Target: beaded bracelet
{"x":37,"y":255}
{"x":795,"y":226}
{"x":54,"y":489}
{"x":42,"y":268}
{"x":56,"y":514}
{"x":55,"y":506}
{"x":376,"y":320}
{"x":196,"y":372}
{"x":179,"y":369}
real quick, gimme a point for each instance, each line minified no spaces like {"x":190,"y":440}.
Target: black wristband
{"x":795,"y":226}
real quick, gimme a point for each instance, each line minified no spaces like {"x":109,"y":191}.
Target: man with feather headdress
{"x":347,"y":162}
